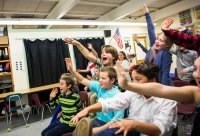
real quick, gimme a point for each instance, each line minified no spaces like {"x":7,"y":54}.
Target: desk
{"x":31,"y":90}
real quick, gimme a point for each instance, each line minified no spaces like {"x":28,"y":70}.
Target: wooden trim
{"x":31,"y":90}
{"x":5,"y":74}
{"x":1,"y":61}
{"x":4,"y":46}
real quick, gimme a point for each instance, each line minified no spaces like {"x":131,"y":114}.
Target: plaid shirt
{"x":191,"y":42}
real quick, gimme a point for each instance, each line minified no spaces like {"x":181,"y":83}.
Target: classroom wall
{"x":17,"y":50}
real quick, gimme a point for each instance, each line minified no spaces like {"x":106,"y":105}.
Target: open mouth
{"x":104,"y":58}
{"x":157,"y":46}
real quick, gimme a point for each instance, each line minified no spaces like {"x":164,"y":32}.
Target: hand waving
{"x":166,"y":24}
{"x":124,"y":125}
{"x":69,"y":63}
{"x":71,"y":41}
{"x":122,"y":79}
{"x":53,"y":93}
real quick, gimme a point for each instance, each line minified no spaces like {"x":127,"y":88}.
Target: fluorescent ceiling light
{"x":4,"y":21}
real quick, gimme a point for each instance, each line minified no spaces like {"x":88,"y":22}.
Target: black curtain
{"x":81,"y":61}
{"x":45,"y":60}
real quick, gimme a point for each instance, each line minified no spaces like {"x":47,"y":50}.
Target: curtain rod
{"x":56,"y":38}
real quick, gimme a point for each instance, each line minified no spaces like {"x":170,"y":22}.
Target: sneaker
{"x":84,"y":128}
{"x":3,"y":112}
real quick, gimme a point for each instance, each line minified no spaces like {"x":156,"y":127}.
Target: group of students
{"x":148,"y":114}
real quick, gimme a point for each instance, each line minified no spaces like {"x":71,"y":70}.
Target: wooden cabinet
{"x":6,"y":78}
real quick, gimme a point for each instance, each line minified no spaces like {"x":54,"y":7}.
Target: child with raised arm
{"x":159,"y":53}
{"x":70,"y":105}
{"x":104,"y":88}
{"x":188,"y":41}
{"x":109,"y":54}
{"x":147,"y":115}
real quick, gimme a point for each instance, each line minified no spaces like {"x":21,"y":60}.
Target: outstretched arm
{"x":78,"y":77}
{"x":150,"y":26}
{"x":186,"y":94}
{"x":180,"y":38}
{"x":82,"y":49}
{"x":139,"y":44}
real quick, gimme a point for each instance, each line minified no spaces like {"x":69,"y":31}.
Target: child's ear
{"x":69,"y":86}
{"x":112,"y":80}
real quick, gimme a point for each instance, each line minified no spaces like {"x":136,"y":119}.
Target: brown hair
{"x":111,"y":72}
{"x":69,"y":80}
{"x":112,"y":50}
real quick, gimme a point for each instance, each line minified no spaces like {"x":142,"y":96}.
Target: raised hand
{"x":124,"y":125}
{"x":53,"y":93}
{"x":90,"y":46}
{"x":166,"y":24}
{"x":71,"y":41}
{"x":121,"y":74}
{"x":69,"y":63}
{"x":135,"y":38}
{"x":146,"y":10}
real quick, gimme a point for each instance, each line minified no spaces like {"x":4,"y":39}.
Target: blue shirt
{"x":104,"y":93}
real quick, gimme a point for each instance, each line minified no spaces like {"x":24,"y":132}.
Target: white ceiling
{"x":104,"y":10}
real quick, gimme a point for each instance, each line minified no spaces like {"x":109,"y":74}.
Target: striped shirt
{"x":70,"y":106}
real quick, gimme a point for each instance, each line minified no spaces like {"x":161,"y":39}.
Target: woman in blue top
{"x":159,"y":53}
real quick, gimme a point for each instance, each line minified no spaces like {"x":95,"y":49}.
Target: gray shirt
{"x":185,"y":60}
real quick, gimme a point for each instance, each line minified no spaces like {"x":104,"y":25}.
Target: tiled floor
{"x":19,"y":128}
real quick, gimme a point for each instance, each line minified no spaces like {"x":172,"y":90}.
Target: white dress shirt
{"x":158,"y":111}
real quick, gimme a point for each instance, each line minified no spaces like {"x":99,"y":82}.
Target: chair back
{"x":34,"y":100}
{"x":185,"y":109}
{"x":13,"y":98}
{"x":84,"y":98}
{"x":179,"y":83}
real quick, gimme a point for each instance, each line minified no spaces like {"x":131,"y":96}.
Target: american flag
{"x":118,"y":38}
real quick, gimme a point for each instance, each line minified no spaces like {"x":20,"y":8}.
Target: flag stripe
{"x":118,"y":38}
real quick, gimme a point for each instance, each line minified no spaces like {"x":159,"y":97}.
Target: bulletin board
{"x":140,"y":54}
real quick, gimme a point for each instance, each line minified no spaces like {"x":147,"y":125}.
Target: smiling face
{"x":121,"y":56}
{"x":196,"y":73}
{"x":160,"y":42}
{"x":105,"y":81}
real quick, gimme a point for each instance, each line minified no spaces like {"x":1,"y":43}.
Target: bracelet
{"x":81,"y":49}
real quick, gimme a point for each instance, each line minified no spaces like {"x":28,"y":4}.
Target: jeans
{"x":56,"y":129}
{"x":97,"y":123}
{"x":111,"y":132}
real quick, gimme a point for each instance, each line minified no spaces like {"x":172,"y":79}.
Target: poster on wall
{"x":197,"y":12}
{"x":197,"y":27}
{"x":185,"y":17}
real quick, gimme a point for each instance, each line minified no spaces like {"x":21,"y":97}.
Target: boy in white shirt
{"x":147,"y":115}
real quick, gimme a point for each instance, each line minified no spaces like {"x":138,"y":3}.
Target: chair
{"x":186,"y":110}
{"x":179,"y":83}
{"x":84,"y":98}
{"x":35,"y":102}
{"x":11,"y":108}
